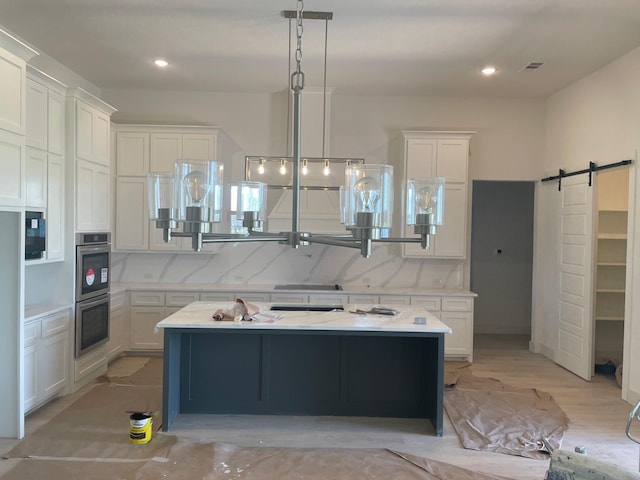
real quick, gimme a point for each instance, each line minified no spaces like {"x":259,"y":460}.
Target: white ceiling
{"x":375,"y":47}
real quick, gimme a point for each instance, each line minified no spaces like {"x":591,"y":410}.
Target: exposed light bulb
{"x":196,"y":186}
{"x":283,"y":167}
{"x":305,"y":167}
{"x":489,"y":71}
{"x":326,"y":171}
{"x":161,"y":63}
{"x":367,"y":193}
{"x":426,"y":200}
{"x":261,"y":167}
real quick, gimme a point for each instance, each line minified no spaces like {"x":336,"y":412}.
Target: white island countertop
{"x":199,"y":315}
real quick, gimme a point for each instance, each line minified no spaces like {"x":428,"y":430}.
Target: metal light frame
{"x":361,"y":230}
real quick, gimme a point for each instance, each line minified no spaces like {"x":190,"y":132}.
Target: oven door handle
{"x":92,"y":302}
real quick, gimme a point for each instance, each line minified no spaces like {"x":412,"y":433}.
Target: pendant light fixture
{"x":192,"y":197}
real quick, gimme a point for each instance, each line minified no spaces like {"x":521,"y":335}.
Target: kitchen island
{"x":306,"y":363}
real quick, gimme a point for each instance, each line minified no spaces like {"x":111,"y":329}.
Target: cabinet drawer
{"x":430,"y":303}
{"x":31,"y":332}
{"x":457,"y":304}
{"x":56,"y":323}
{"x":395,"y":300}
{"x":254,"y":297}
{"x":217,"y":297}
{"x":328,"y":298}
{"x":143,"y":299}
{"x":289,"y":298}
{"x":364,"y":299}
{"x":180,"y":299}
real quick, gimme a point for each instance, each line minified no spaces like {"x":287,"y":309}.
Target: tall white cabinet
{"x":45,"y":148}
{"x":438,"y":154}
{"x":13,"y":57}
{"x":89,"y":160}
{"x":141,"y":149}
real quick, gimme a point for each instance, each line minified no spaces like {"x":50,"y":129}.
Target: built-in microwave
{"x":35,"y":234}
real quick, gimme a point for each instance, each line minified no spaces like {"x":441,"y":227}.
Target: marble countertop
{"x":199,"y":315}
{"x":231,"y":287}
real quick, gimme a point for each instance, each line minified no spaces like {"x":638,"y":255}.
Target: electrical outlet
{"x":438,"y":282}
{"x":148,"y":276}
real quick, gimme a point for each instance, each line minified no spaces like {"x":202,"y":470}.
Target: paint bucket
{"x":140,"y":424}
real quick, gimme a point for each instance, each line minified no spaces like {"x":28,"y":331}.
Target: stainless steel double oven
{"x":93,"y":264}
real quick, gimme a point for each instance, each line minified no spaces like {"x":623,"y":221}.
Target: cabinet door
{"x":117,"y":324}
{"x":165,"y":148}
{"x":420,"y":157}
{"x":36,"y":177}
{"x":450,"y":240}
{"x":92,"y":196}
{"x":30,"y":384}
{"x":460,"y":342}
{"x":84,"y":130}
{"x":142,"y":335}
{"x":132,"y":220}
{"x":101,"y":137}
{"x":55,"y":207}
{"x":55,"y":124}
{"x":12,"y":169}
{"x":36,"y":116}
{"x":132,"y":153}
{"x":52,"y":364}
{"x":453,"y":156}
{"x":12,"y":93}
{"x":199,"y":146}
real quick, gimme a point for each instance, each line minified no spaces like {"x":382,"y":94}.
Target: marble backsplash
{"x":271,"y":263}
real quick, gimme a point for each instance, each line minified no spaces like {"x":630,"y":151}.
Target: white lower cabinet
{"x":457,"y":313}
{"x":147,"y":308}
{"x":118,"y":328}
{"x":142,"y":334}
{"x":46,"y":358}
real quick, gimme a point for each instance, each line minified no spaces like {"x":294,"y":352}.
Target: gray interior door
{"x":502,"y":256}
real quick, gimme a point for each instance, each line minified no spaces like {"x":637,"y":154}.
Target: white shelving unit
{"x":611,"y":264}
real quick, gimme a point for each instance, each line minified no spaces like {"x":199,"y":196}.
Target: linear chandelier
{"x":192,"y":196}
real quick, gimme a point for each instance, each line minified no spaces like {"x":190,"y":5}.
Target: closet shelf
{"x":612,"y":236}
{"x":609,"y":319}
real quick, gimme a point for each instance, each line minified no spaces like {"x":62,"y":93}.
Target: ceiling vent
{"x":532,"y":66}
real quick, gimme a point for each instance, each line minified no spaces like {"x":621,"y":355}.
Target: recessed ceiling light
{"x":489,"y":70}
{"x":161,"y":63}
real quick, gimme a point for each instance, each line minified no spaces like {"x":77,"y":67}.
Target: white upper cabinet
{"x":132,"y":153}
{"x":45,"y":115}
{"x":37,"y":99}
{"x":88,"y":144}
{"x":13,"y":57}
{"x":141,"y":149}
{"x":439,"y":154}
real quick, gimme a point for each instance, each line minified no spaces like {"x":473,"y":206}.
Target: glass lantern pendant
{"x":367,"y":200}
{"x":425,"y":206}
{"x":198,"y":187}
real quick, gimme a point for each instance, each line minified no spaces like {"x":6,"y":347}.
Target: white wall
{"x":508,"y":145}
{"x":596,"y":119}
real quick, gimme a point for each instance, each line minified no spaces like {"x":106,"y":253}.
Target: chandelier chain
{"x":297,"y":78}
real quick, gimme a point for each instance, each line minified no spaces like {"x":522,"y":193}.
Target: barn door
{"x":576,"y":254}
